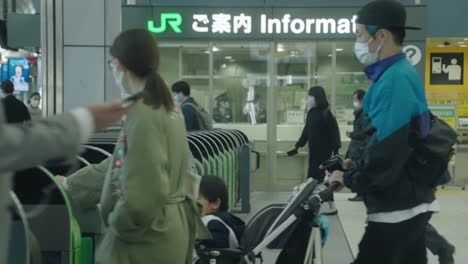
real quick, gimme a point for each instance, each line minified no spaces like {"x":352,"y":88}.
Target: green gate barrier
{"x":76,"y":251}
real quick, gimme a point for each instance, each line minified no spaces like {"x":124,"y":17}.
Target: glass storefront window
{"x":293,"y":66}
{"x":239,"y":88}
{"x":300,"y":66}
{"x":188,"y":62}
{"x":235,"y":89}
{"x":323,"y":70}
{"x":195,"y":61}
{"x":169,"y":64}
{"x":200,"y":91}
{"x":349,"y":78}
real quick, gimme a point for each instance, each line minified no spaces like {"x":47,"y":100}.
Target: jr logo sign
{"x":173,"y":19}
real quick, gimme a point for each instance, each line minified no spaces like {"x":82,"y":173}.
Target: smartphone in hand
{"x":292,"y":152}
{"x":132,"y":99}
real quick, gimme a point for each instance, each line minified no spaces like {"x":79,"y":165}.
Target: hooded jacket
{"x":395,"y":100}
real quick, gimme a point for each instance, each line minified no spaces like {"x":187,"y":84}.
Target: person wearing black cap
{"x":222,"y":113}
{"x":398,"y":206}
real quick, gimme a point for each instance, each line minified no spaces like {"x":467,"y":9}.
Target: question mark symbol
{"x":410,"y":53}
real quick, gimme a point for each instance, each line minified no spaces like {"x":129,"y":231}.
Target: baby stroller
{"x":273,"y":226}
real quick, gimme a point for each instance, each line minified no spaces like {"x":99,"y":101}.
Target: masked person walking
{"x":33,"y":106}
{"x":145,"y":203}
{"x":322,"y":134}
{"x":398,"y":207}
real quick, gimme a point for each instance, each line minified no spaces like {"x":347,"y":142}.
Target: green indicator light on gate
{"x":173,"y":19}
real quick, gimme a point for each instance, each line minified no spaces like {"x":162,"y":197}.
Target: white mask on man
{"x":311,"y":102}
{"x":361,"y":50}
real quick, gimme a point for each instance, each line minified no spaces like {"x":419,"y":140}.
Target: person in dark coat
{"x":15,"y":110}
{"x":358,"y":135}
{"x":188,"y":105}
{"x":321,"y":133}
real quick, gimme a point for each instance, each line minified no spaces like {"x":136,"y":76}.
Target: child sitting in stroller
{"x":225,"y":228}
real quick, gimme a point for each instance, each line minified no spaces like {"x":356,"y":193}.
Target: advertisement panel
{"x":18,"y":73}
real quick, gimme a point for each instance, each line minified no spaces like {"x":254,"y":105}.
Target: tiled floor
{"x":450,"y":222}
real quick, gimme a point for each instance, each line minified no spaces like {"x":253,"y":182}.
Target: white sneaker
{"x":331,"y":210}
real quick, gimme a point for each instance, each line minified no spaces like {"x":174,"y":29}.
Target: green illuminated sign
{"x":253,"y":23}
{"x":173,"y":19}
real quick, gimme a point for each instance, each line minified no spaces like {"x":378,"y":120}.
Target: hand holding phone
{"x":292,"y":152}
{"x":134,"y":97}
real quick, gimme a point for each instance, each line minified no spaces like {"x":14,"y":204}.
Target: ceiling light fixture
{"x":280,"y":48}
{"x":228,"y":57}
{"x":339,"y":49}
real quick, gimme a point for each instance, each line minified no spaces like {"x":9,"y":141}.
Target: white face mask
{"x":119,"y":78}
{"x":361,"y":50}
{"x":35,"y":103}
{"x":356,"y":105}
{"x":311,"y":102}
{"x":178,"y":99}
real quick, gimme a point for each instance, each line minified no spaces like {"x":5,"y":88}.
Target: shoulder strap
{"x":233,"y":243}
{"x":193,"y":105}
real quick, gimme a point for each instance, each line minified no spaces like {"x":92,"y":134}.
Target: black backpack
{"x":431,"y":155}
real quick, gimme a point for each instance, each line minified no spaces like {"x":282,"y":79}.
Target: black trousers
{"x":435,"y":242}
{"x":399,"y":243}
{"x":316,"y":173}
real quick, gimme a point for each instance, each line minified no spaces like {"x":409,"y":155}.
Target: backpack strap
{"x":193,"y":106}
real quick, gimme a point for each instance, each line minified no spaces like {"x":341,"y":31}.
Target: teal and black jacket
{"x":394,"y":103}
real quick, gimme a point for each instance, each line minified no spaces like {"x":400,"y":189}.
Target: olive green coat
{"x":149,"y":214}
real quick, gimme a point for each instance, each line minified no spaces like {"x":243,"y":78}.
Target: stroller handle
{"x":317,"y":199}
{"x":228,"y":252}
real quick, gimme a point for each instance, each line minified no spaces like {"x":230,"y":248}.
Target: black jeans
{"x":435,"y":242}
{"x":317,"y":174}
{"x":399,"y":243}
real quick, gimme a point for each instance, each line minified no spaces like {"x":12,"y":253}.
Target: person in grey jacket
{"x":36,"y":142}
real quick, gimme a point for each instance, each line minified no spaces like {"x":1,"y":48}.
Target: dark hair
{"x":398,"y":33}
{"x":360,"y":94}
{"x":138,"y":51}
{"x":7,"y":87}
{"x":181,"y":87}
{"x":213,"y":188}
{"x":34,"y":94}
{"x":318,"y":92}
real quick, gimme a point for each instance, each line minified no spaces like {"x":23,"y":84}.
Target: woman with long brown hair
{"x":144,"y":203}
